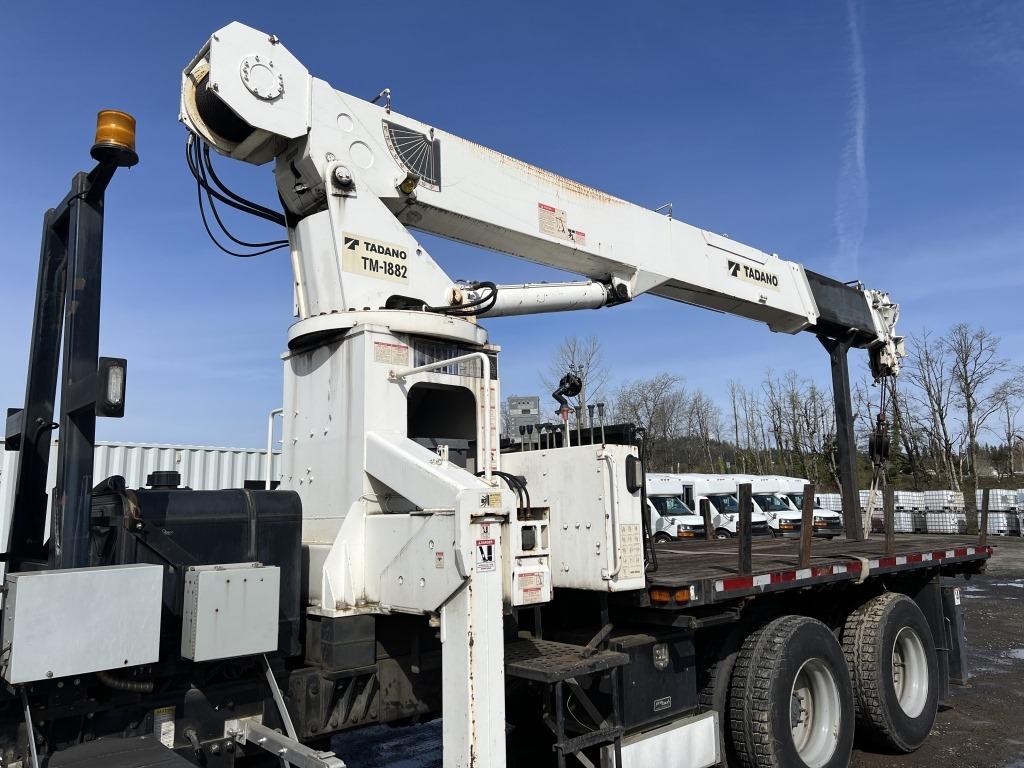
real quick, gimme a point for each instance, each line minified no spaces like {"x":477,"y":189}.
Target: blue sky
{"x":871,"y":140}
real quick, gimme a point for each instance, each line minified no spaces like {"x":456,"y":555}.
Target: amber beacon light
{"x":115,"y":139}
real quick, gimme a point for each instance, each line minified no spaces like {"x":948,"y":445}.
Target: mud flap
{"x":953,"y":616}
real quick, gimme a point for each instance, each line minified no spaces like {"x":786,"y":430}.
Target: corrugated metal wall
{"x":202,"y":468}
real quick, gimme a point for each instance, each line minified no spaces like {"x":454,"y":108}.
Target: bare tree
{"x":657,"y":405}
{"x":585,"y":358}
{"x":928,"y":370}
{"x":1010,"y":398}
{"x":974,"y":353}
{"x":705,"y":423}
{"x":735,"y":395}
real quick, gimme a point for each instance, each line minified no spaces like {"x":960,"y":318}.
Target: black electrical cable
{"x":199,"y":164}
{"x":206,"y":226}
{"x":520,"y":483}
{"x":471,"y":308}
{"x":514,"y":488}
{"x":200,"y":169}
{"x":514,"y":482}
{"x":224,"y":229}
{"x":271,"y":214}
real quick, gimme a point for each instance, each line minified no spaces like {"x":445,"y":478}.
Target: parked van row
{"x":674,"y":506}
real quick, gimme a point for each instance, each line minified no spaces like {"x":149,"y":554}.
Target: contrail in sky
{"x":852,"y":192}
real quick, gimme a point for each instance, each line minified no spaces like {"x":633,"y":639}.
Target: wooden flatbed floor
{"x":710,"y":569}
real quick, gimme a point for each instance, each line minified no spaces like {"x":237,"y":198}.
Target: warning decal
{"x":631,"y":551}
{"x":374,"y":258}
{"x":163,"y":725}
{"x":553,"y":222}
{"x":485,"y":555}
{"x":390,"y":354}
{"x":531,"y":585}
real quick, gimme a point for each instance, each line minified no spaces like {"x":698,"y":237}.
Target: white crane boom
{"x":251,"y":99}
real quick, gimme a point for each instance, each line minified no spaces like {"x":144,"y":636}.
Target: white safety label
{"x":485,"y":555}
{"x":553,"y":222}
{"x":631,"y":551}
{"x":163,"y":725}
{"x":375,"y":258}
{"x":531,"y":585}
{"x":390,"y":354}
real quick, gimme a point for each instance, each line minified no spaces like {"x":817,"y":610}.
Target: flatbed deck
{"x":710,"y":569}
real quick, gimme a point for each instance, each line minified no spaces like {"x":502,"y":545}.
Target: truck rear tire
{"x":791,"y":701}
{"x":893,"y":665}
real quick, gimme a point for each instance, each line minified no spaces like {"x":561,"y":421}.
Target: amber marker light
{"x":115,"y":138}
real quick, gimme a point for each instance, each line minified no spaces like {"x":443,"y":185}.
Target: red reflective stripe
{"x":745,"y":582}
{"x":852,"y":567}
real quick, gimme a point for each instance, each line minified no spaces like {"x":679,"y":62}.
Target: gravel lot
{"x":983,"y":728}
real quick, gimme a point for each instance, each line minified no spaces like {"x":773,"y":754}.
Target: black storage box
{"x":648,"y":693}
{"x":181,"y":527}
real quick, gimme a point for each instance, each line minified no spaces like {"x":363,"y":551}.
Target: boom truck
{"x":518,"y":595}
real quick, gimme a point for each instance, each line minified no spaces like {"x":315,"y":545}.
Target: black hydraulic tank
{"x":181,"y":527}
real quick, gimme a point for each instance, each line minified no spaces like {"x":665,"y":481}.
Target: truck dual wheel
{"x":791,"y":700}
{"x":889,"y":648}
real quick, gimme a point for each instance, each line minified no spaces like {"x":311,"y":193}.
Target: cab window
{"x":769,"y":502}
{"x":669,"y":506}
{"x":725,"y":503}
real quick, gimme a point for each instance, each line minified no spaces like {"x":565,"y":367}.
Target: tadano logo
{"x":753,"y":274}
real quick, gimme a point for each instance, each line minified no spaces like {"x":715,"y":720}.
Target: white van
{"x":720,"y":491}
{"x":781,"y":499}
{"x":671,"y":518}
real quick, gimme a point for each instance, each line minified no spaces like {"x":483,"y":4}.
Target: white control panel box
{"x":71,"y":622}
{"x":230,"y":610}
{"x":594,"y":526}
